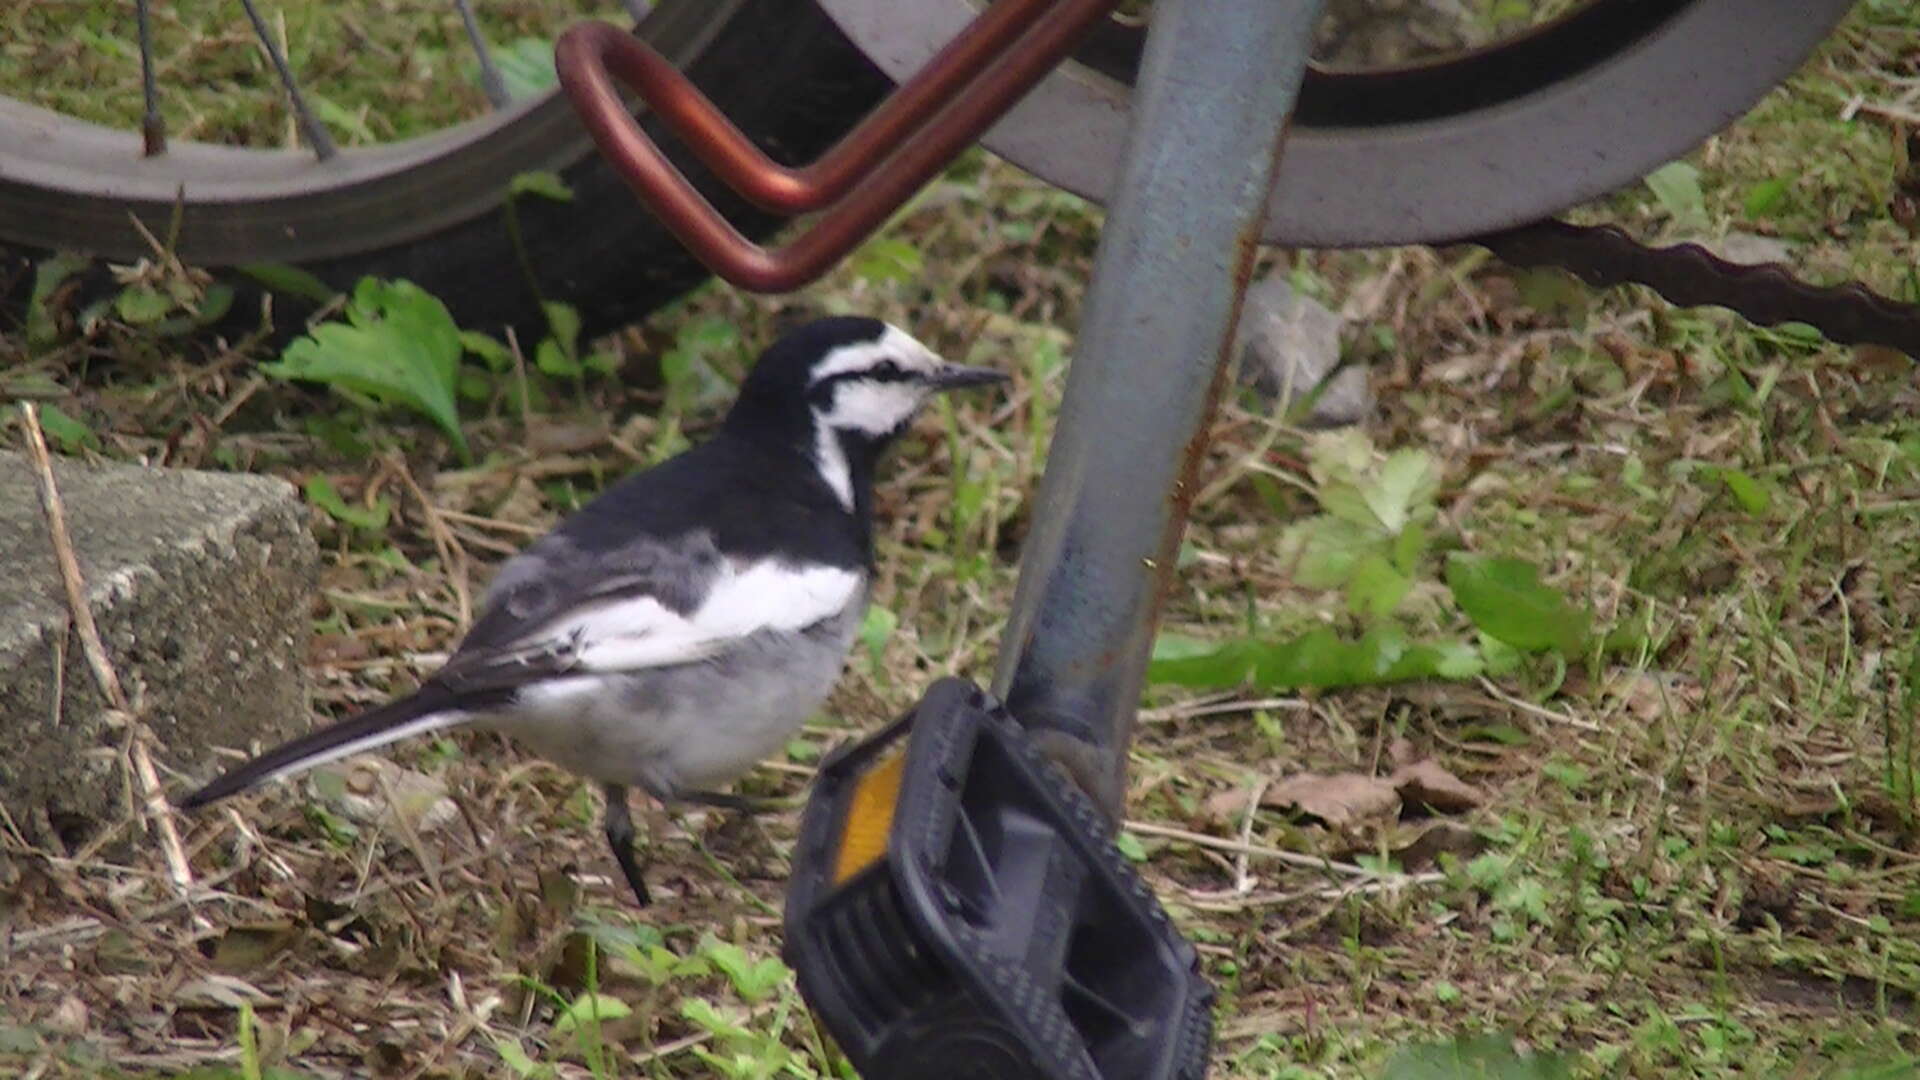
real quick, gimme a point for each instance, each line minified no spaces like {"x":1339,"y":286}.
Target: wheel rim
{"x":1438,"y":151}
{"x":65,"y":183}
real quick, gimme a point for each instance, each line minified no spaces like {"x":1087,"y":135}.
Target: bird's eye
{"x":888,"y":370}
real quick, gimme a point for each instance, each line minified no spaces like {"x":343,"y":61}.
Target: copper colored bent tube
{"x":915,"y":133}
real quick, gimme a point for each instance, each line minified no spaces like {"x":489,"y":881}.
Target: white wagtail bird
{"x":679,"y":628}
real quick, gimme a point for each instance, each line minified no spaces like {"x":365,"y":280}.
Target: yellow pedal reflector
{"x":863,"y":836}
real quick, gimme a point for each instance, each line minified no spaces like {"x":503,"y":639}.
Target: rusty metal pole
{"x":1216,"y":86}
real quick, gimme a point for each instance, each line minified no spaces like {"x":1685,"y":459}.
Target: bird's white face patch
{"x":901,"y":370}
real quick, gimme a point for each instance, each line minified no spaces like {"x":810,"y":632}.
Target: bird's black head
{"x":840,"y":389}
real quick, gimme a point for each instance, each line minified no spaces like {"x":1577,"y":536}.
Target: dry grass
{"x":1698,"y":857}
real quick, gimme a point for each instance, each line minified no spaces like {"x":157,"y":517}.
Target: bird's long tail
{"x":428,"y":710}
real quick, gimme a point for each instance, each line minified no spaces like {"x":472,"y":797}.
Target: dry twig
{"x":146,"y":779}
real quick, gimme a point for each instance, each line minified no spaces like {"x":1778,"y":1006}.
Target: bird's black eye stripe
{"x":884,"y":371}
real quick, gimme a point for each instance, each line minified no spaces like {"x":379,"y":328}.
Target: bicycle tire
{"x":434,"y":210}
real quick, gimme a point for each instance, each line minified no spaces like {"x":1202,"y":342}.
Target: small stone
{"x":1749,"y":249}
{"x":1288,"y":344}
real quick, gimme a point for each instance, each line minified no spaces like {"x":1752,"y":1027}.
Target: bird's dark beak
{"x":955,"y":376}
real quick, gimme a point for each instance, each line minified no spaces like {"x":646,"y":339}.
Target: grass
{"x":1696,"y":845}
{"x":372,"y":73}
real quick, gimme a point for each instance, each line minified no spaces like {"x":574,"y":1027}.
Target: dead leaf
{"x":1439,"y":838}
{"x":1342,"y":800}
{"x":1650,"y":695}
{"x":247,"y":947}
{"x":69,"y":1017}
{"x":564,"y":438}
{"x":1401,"y":751}
{"x":1428,"y":784}
{"x":1227,"y":806}
{"x":371,"y":790}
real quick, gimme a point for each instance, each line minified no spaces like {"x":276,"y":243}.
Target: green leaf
{"x":48,"y":275}
{"x":142,"y":304}
{"x":291,"y":280}
{"x":1505,"y":599}
{"x":1319,"y":658}
{"x":321,"y":493}
{"x":1748,"y":492}
{"x":72,"y":435}
{"x":563,"y":325}
{"x":1322,"y":551}
{"x":487,"y":348}
{"x":876,"y":628}
{"x":754,"y":980}
{"x":887,"y":259}
{"x":541,"y":182}
{"x":398,"y":346}
{"x":526,"y":66}
{"x":1376,"y":586}
{"x":590,"y":1008}
{"x":1404,"y":489}
{"x":553,"y":360}
{"x":1677,"y":186}
{"x":1764,"y":196}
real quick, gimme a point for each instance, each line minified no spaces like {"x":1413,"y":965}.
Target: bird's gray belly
{"x":691,"y":727}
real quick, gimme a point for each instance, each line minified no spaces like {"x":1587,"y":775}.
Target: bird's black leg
{"x":620,"y":838}
{"x":742,"y":804}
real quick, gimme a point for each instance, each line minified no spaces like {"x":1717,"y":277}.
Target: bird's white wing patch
{"x":640,"y":632}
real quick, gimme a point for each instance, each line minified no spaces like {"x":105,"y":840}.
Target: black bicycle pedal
{"x":958,"y":910}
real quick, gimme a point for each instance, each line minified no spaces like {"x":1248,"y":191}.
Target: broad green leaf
{"x":1319,"y":659}
{"x":399,"y":346}
{"x":1376,"y":587}
{"x":1211,"y":667}
{"x":1504,"y":597}
{"x":1677,"y":186}
{"x":590,"y":1008}
{"x":1403,"y":490}
{"x":1322,"y":550}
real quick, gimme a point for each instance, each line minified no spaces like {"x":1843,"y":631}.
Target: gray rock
{"x":200,"y":583}
{"x":1288,"y":343}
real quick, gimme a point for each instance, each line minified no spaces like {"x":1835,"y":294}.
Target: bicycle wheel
{"x":1424,"y":150}
{"x":431,"y":209}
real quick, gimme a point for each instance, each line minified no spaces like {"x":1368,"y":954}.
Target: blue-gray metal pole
{"x":1155,"y":352}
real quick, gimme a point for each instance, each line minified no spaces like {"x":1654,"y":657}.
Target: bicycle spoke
{"x":153,"y":130}
{"x":490,"y":80}
{"x":317,"y":137}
